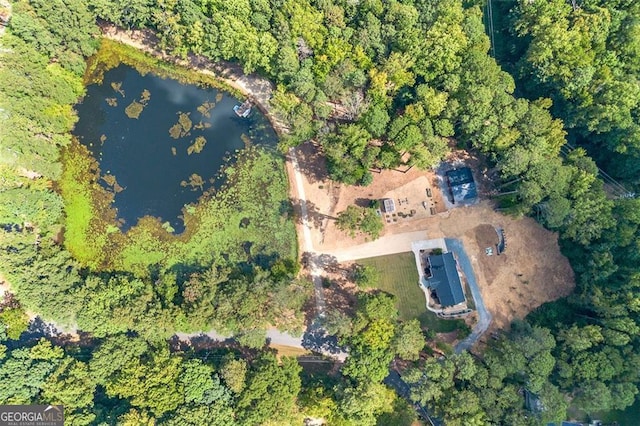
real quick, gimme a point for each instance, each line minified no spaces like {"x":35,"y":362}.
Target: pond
{"x":160,"y":143}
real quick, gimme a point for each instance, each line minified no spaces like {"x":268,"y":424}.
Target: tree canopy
{"x":379,"y":84}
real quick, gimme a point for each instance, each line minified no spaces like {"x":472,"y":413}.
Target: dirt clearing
{"x":529,"y":273}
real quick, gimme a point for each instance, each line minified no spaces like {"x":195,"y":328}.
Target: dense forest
{"x":378,"y":84}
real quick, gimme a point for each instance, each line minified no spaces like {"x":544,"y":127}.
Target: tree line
{"x":379,"y":84}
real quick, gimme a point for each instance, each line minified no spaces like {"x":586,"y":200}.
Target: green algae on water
{"x":182,"y":127}
{"x":195,"y":182}
{"x":117,"y":86}
{"x":205,"y":109}
{"x":198,"y":145}
{"x":135,"y":108}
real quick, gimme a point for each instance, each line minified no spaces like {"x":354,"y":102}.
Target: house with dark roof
{"x":461,"y":184}
{"x":443,"y":278}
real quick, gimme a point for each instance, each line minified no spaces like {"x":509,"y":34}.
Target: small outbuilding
{"x":461,"y":184}
{"x":389,"y":205}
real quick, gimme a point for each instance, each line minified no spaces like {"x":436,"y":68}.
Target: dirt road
{"x":305,"y":241}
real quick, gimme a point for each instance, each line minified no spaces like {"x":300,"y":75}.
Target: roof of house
{"x":462,"y":184}
{"x":445,"y":279}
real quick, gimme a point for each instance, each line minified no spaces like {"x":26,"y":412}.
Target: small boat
{"x":243,"y":110}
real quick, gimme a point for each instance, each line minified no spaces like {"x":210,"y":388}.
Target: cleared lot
{"x":530,"y":272}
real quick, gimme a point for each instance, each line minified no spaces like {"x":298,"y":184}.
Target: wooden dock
{"x":243,"y":110}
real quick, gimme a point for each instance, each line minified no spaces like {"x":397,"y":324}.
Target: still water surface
{"x":149,"y":155}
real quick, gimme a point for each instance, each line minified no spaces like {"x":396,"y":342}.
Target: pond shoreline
{"x":259,"y":90}
{"x":256,"y":88}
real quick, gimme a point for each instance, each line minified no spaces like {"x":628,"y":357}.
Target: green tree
{"x":64,"y":29}
{"x":375,"y":120}
{"x":270,"y":391}
{"x":364,"y":403}
{"x":349,"y":219}
{"x":200,"y":384}
{"x":14,"y":321}
{"x":24,"y":371}
{"x":371,"y":339}
{"x":136,"y":417}
{"x":234,"y":373}
{"x":114,"y":354}
{"x":409,"y":340}
{"x":371,"y":223}
{"x":215,"y":414}
{"x":151,"y":383}
{"x":255,"y":338}
{"x":72,"y":386}
{"x":349,"y":154}
{"x":360,"y":219}
{"x":366,"y":276}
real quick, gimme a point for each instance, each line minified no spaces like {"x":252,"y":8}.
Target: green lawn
{"x":399,"y":276}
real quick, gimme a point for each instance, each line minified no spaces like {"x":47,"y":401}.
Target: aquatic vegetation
{"x":113,"y":102}
{"x":175,"y":131}
{"x":111,"y":181}
{"x":246,"y":140}
{"x":135,"y":108}
{"x":205,"y":109}
{"x":195,"y":182}
{"x":167,"y":227}
{"x":182,"y":127}
{"x":173,"y":150}
{"x":112,"y":54}
{"x":117,"y":86}
{"x":185,"y":121}
{"x":198,"y":145}
{"x":87,"y":206}
{"x":201,"y":125}
{"x":103,"y":138}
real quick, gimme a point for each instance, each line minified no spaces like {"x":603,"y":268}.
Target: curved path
{"x":484,"y":317}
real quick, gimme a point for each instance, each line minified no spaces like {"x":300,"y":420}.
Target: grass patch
{"x":471,"y":304}
{"x":399,"y":276}
{"x":432,"y":322}
{"x":255,"y":191}
{"x":284,"y":350}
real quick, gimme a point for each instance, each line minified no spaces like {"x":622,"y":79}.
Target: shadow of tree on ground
{"x":313,"y":213}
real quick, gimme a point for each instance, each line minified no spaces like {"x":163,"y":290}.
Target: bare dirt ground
{"x":531,"y":272}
